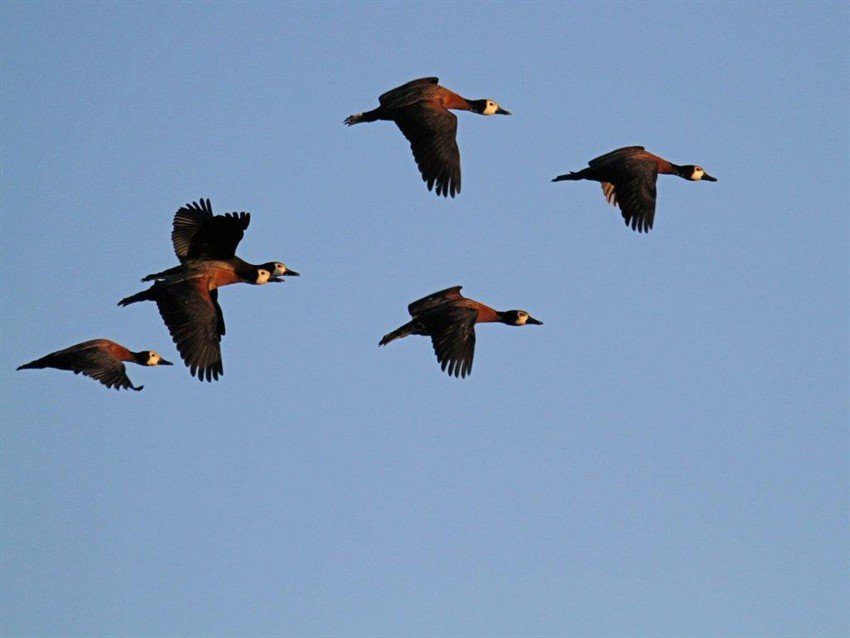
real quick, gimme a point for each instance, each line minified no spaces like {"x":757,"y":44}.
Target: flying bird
{"x":100,"y":359}
{"x":187,"y":295}
{"x":628,"y":177}
{"x":188,"y":304}
{"x":420,"y":109}
{"x":449,"y":319}
{"x":199,"y":235}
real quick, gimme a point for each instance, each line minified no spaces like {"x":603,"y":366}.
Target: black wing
{"x":406,"y":93}
{"x":104,"y":367}
{"x":197,"y":233}
{"x":194,"y":319}
{"x":616,"y":156}
{"x":434,"y":299}
{"x":452,"y":331}
{"x":432,"y":131}
{"x":635,"y":193}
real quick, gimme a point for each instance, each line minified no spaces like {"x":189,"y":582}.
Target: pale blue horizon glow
{"x":666,"y":455}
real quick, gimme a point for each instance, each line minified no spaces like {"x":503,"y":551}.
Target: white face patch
{"x":697,"y":174}
{"x":490,"y":108}
{"x":153,"y":358}
{"x":522,"y":317}
{"x":262,"y":276}
{"x":279,"y":269}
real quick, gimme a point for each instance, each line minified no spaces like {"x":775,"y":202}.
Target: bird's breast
{"x":222,"y":277}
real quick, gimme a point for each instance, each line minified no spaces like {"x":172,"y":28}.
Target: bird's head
{"x":518,"y":318}
{"x":151,"y":358}
{"x":694,"y":173}
{"x":278,"y":269}
{"x":261,"y":276}
{"x":487,"y":107}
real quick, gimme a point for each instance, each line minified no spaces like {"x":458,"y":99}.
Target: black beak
{"x":274,"y":279}
{"x":163,"y":362}
{"x":501,"y":111}
{"x":291,"y":273}
{"x":533,"y":321}
{"x":708,"y":178}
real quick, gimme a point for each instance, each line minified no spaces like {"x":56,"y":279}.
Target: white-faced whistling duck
{"x":449,"y":319}
{"x":197,"y":234}
{"x":187,"y":296}
{"x":420,"y":108}
{"x":628,"y":177}
{"x":100,"y":359}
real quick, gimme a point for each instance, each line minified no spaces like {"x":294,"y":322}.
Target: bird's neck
{"x":675,"y":169}
{"x":140,"y":357}
{"x":502,"y":317}
{"x":476,"y":106}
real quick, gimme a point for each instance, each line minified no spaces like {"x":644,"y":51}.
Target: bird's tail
{"x":37,"y":364}
{"x":571,"y":176}
{"x":368,"y":116}
{"x":145,"y":295}
{"x":398,"y":333}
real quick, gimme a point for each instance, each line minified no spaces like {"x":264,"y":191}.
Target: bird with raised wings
{"x":187,"y":295}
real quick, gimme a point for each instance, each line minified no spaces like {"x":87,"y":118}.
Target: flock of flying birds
{"x":205,"y":244}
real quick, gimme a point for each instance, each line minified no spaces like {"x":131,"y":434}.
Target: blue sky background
{"x":667,"y":455}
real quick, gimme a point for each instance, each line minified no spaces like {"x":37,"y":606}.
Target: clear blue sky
{"x":667,"y":455}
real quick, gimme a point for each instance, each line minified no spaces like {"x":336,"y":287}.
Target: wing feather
{"x":452,"y":333}
{"x":197,"y":233}
{"x":194,"y":320}
{"x":632,"y":187}
{"x":407,"y":93}
{"x":617,"y":156}
{"x":103,"y":367}
{"x":432,"y":132}
{"x":434,"y":299}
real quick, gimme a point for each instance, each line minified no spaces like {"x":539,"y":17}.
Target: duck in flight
{"x":187,"y":295}
{"x":420,"y":109}
{"x":100,"y":359}
{"x":449,"y":319}
{"x":197,"y":235}
{"x":628,"y":177}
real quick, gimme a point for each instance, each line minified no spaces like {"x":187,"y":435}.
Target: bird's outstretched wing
{"x":407,"y":93}
{"x":634,"y":192}
{"x":103,"y":367}
{"x":194,"y":319}
{"x":432,"y":131}
{"x":617,"y":156}
{"x":434,"y":299}
{"x":452,"y":330}
{"x":197,"y":233}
